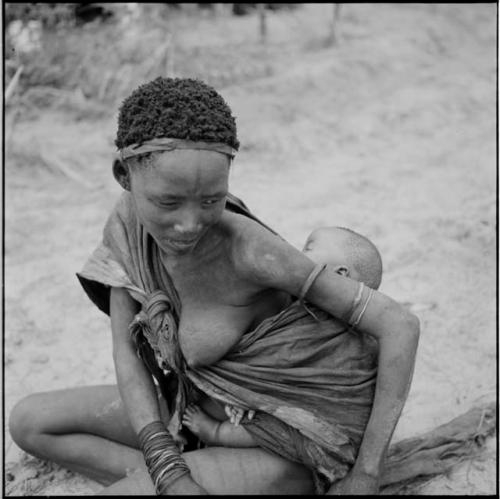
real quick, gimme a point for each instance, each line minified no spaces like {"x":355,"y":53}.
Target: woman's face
{"x":180,"y":196}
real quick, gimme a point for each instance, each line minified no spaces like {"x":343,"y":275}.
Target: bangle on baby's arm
{"x":163,"y":458}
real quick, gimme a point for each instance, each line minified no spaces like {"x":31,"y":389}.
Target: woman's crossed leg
{"x":87,"y":430}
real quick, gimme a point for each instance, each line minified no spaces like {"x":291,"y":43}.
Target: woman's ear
{"x":121,"y":173}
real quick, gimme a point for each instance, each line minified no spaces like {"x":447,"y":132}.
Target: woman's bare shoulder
{"x":239,"y":225}
{"x":247,"y":235}
{"x":263,"y":257}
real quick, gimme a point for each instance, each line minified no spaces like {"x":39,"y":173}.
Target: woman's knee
{"x":24,"y":422}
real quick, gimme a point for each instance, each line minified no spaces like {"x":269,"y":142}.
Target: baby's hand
{"x":236,"y":414}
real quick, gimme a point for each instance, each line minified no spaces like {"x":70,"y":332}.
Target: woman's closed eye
{"x":169,"y":204}
{"x":211,"y":201}
{"x":173,"y":205}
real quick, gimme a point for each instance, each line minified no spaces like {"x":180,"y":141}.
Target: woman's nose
{"x":189,"y":223}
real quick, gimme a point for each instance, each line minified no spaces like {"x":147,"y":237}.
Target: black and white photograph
{"x":250,"y":249}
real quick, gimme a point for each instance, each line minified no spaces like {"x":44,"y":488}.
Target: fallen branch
{"x":101,"y":93}
{"x":157,"y":63}
{"x":261,"y":9}
{"x":10,"y":125}
{"x":440,"y":449}
{"x":13,"y":83}
{"x":334,"y":19}
{"x":169,"y":65}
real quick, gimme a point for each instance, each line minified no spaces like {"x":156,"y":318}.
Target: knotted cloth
{"x":311,"y":378}
{"x":156,"y":323}
{"x":169,"y":144}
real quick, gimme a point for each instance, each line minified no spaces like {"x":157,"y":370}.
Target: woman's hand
{"x":236,"y":414}
{"x":185,"y":485}
{"x":355,"y":483}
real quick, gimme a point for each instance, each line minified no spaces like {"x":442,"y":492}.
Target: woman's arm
{"x":135,"y":384}
{"x":272,"y":262}
{"x":397,"y":332}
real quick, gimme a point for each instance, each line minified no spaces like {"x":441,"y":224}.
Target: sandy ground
{"x":391,"y":133}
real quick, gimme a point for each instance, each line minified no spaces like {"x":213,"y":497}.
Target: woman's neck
{"x":208,"y":248}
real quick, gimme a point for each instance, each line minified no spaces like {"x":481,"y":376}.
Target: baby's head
{"x":347,"y":252}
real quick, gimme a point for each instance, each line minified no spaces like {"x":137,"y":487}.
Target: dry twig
{"x":13,"y":83}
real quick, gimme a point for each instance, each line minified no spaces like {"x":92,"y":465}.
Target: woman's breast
{"x":208,"y":330}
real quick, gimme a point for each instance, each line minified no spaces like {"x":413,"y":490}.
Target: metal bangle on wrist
{"x":163,"y":458}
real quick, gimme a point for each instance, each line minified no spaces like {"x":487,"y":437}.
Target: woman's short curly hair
{"x":181,"y":108}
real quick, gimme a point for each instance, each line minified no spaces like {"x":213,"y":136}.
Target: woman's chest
{"x":210,"y":284}
{"x":206,"y":333}
{"x":217,"y":309}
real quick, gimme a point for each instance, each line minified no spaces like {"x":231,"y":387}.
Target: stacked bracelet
{"x":163,"y":458}
{"x":316,"y":271}
{"x":359,"y":304}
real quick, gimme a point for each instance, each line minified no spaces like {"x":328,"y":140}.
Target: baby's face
{"x":324,"y":247}
{"x":323,"y":253}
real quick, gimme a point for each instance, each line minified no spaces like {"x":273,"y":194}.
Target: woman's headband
{"x":168,"y":144}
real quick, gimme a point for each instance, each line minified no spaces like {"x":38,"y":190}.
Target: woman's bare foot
{"x":201,"y":424}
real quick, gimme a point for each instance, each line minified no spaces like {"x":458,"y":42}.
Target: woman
{"x":190,"y":271}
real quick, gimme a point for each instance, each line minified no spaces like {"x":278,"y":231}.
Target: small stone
{"x":31,"y":474}
{"x":10,"y":477}
{"x":40,"y":359}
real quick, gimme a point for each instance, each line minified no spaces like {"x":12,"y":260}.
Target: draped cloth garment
{"x":311,"y":378}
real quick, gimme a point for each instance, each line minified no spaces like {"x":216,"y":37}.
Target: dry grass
{"x":93,"y":67}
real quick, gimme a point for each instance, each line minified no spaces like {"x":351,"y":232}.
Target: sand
{"x":391,"y":132}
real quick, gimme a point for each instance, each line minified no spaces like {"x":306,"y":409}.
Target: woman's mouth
{"x":182,"y":243}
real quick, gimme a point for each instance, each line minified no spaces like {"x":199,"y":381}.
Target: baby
{"x":349,"y":254}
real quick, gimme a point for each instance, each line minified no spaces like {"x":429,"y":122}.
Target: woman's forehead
{"x":182,"y":172}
